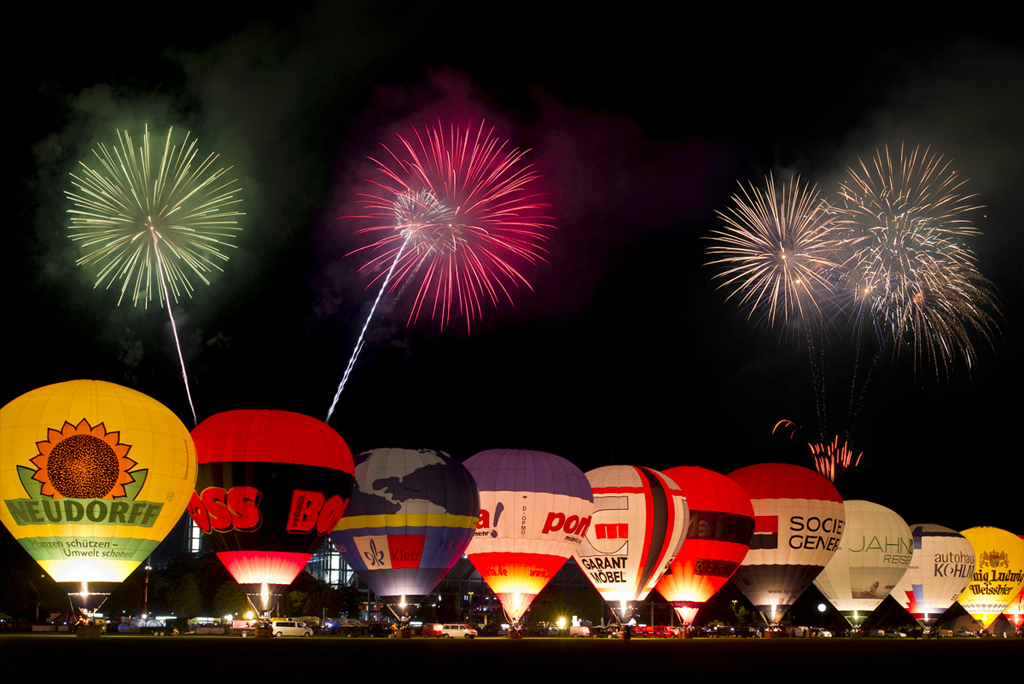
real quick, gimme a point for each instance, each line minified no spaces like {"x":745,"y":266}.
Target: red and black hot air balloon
{"x":271,"y":486}
{"x":717,"y":539}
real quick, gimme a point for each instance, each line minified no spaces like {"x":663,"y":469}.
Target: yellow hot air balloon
{"x":998,"y":572}
{"x":93,"y":476}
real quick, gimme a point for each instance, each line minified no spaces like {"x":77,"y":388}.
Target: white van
{"x":458,"y":631}
{"x":283,"y":628}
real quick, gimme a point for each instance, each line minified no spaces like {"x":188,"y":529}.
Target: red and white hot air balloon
{"x":640,"y":519}
{"x":717,"y":539}
{"x":798,"y":522}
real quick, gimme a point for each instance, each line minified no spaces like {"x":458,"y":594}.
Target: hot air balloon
{"x":1015,"y":611}
{"x":941,"y":567}
{"x":93,"y":477}
{"x":640,"y":518}
{"x":411,"y":516}
{"x":873,"y":555}
{"x":798,"y":522}
{"x":271,"y":486}
{"x":535,"y":508}
{"x":998,"y":572}
{"x":717,"y":539}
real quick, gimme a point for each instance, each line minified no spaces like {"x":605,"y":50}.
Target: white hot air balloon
{"x":535,"y":508}
{"x":942,"y":567}
{"x":873,"y":555}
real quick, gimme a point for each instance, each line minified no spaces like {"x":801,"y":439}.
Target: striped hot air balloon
{"x":717,"y":539}
{"x":640,"y":519}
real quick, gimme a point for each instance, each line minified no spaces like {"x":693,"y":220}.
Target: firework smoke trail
{"x":182,"y":204}
{"x":362,"y":333}
{"x":174,"y":329}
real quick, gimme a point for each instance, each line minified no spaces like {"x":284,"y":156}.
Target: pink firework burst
{"x":455,"y":216}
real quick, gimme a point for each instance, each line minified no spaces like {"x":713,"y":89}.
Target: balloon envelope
{"x":716,"y":542}
{"x":998,"y":572}
{"x":873,"y":555}
{"x":411,"y":516}
{"x":798,"y":522}
{"x":93,"y":477}
{"x":1015,"y":611}
{"x":535,"y":508}
{"x":639,"y":522}
{"x":941,"y":567}
{"x":271,"y":486}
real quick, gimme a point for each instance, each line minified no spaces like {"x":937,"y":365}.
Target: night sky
{"x":641,"y":123}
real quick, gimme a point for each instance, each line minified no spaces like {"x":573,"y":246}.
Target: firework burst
{"x":453,"y":212}
{"x":137,"y":217}
{"x":456,"y":212}
{"x":774,"y":253}
{"x":831,"y":459}
{"x":147,"y":225}
{"x":903,"y":223}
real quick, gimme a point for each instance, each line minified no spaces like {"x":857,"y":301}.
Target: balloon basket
{"x":514,"y":633}
{"x":265,"y":632}
{"x":405,"y":633}
{"x":89,"y":631}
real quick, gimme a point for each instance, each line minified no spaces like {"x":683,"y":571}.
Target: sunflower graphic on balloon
{"x":92,"y":477}
{"x":84,"y":462}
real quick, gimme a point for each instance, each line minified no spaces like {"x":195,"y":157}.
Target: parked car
{"x":283,"y":628}
{"x":379,"y":629}
{"x":579,"y":631}
{"x":432,"y":629}
{"x":458,"y":631}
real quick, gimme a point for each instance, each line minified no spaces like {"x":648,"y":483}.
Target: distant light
{"x":821,"y":607}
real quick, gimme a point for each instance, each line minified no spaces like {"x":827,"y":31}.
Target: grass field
{"x":42,"y":657}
